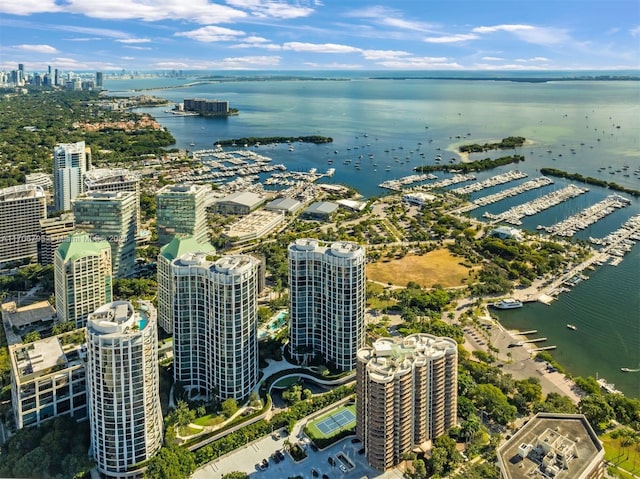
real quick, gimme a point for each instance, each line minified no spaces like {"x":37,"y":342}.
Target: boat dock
{"x":581,"y":220}
{"x":489,"y":182}
{"x":455,"y":179}
{"x":533,"y":184}
{"x":524,"y":333}
{"x":619,"y":242}
{"x":545,"y":348}
{"x":397,"y":185}
{"x":514,"y":215}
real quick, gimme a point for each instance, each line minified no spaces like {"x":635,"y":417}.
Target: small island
{"x":504,"y":144}
{"x":477,"y":165}
{"x":589,"y":180}
{"x":269,"y":140}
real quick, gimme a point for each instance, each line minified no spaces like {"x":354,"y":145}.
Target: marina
{"x":570,"y":226}
{"x":455,"y":179}
{"x":490,"y":182}
{"x":501,"y":195}
{"x":515,"y":214}
{"x":397,"y":185}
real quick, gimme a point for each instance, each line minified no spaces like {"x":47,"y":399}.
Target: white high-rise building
{"x":111,"y":215}
{"x":122,"y":385}
{"x":176,"y":248}
{"x":215,"y":339}
{"x":181,"y":209}
{"x":83,"y":279}
{"x":21,"y":209}
{"x":327,"y":294}
{"x":70,"y":162}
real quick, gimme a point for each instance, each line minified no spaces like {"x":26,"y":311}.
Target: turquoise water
{"x":143,"y":323}
{"x":557,"y":116}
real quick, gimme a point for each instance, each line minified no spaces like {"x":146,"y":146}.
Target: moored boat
{"x":509,"y":303}
{"x":572,"y":327}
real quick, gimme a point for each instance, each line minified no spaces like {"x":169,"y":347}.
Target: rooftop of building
{"x":244,"y":198}
{"x":79,"y":245}
{"x":56,"y":221}
{"x":21,"y":192}
{"x":99,"y":175}
{"x":26,"y":315}
{"x":387,"y":357}
{"x":182,"y":189}
{"x":337,"y":248}
{"x":321,"y":208}
{"x":560,"y":446}
{"x":47,"y":355}
{"x":229,"y":265}
{"x":181,"y":245}
{"x":352,"y":204}
{"x":255,"y":223}
{"x":120,"y":317}
{"x":286,"y":204}
{"x":104,"y":195}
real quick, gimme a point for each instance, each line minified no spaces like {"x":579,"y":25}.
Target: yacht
{"x":509,"y":303}
{"x":572,"y":327}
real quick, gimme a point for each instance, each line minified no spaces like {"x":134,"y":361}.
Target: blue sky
{"x":107,"y":35}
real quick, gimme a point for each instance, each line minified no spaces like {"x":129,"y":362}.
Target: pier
{"x":545,"y":348}
{"x":571,"y":225}
{"x":514,"y":215}
{"x":534,"y":340}
{"x":455,"y":179}
{"x":501,"y":195}
{"x":524,"y":333}
{"x":397,"y":185}
{"x":489,"y":182}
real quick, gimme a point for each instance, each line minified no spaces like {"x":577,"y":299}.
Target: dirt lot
{"x":435,"y":267}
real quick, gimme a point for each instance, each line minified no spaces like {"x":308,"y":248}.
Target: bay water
{"x":394,"y":124}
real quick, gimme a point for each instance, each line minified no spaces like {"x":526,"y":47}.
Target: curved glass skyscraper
{"x":122,"y":384}
{"x":327,"y":300}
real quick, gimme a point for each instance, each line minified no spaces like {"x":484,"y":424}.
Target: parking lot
{"x":347,"y":462}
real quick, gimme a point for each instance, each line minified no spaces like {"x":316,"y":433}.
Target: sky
{"x":140,"y":35}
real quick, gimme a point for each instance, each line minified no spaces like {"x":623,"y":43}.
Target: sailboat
{"x":629,"y":370}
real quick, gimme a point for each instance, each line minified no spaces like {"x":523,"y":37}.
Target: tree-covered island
{"x":268,"y":140}
{"x":505,"y":144}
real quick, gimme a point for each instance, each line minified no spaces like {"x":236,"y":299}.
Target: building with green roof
{"x":83,"y":277}
{"x":178,"y":246}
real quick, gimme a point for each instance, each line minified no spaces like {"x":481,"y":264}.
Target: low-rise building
{"x":239,"y":203}
{"x":320,"y":210}
{"x":418,"y":198}
{"x":48,"y":379}
{"x":18,"y":321}
{"x":550,"y":445}
{"x":253,"y":226}
{"x":287,"y":205}
{"x":506,"y":232}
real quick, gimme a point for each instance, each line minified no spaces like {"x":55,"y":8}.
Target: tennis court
{"x":342,"y":419}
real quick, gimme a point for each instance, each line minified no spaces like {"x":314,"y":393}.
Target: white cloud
{"x":36,"y":48}
{"x":232,"y":63}
{"x":635,"y":31}
{"x":272,"y":8}
{"x":134,"y":40}
{"x":104,"y":32}
{"x":389,"y":17}
{"x":27,"y":7}
{"x":493,"y":59}
{"x":333,"y":66}
{"x":131,"y":47}
{"x":212,"y":34}
{"x":421,"y":63}
{"x":530,"y":33}
{"x":320,"y":47}
{"x":197,"y":11}
{"x":460,"y":37}
{"x":384,"y":54}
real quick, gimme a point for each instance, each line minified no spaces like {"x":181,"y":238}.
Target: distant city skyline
{"x":321,"y":35}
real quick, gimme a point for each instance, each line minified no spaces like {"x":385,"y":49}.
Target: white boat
{"x":572,"y":327}
{"x":509,"y":303}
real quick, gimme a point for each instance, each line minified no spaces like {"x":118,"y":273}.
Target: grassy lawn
{"x":627,"y":459}
{"x":209,"y":420}
{"x":435,"y":267}
{"x":286,"y":382}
